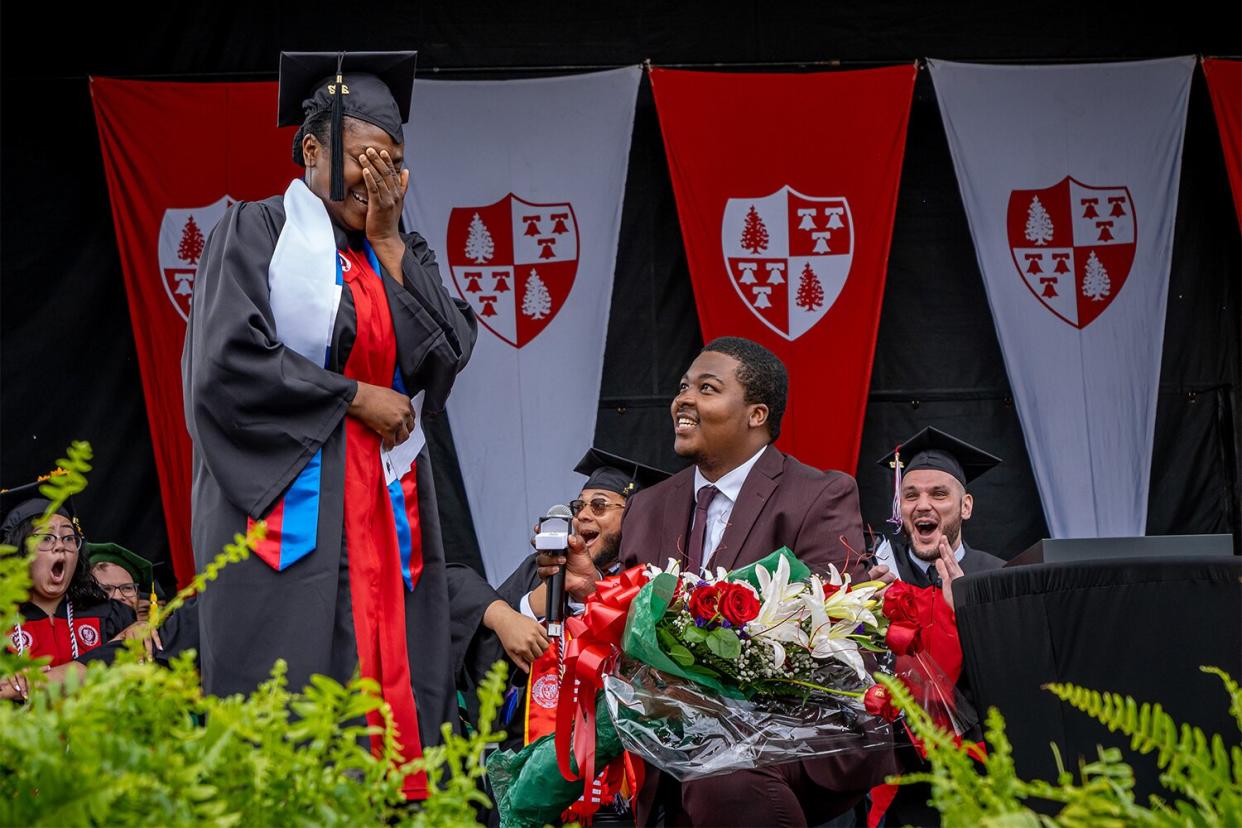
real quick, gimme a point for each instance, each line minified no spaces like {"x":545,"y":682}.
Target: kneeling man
{"x":740,"y":500}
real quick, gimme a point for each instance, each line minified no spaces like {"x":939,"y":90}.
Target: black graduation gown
{"x":257,"y":413}
{"x":974,"y":560}
{"x":910,"y":805}
{"x":476,"y":648}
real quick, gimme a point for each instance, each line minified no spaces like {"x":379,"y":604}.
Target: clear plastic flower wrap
{"x":691,"y":732}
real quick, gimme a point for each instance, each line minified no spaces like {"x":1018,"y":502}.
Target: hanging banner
{"x":517,"y":186}
{"x":1224,"y":79}
{"x":169,"y":185}
{"x":1069,"y":176}
{"x":786,"y":186}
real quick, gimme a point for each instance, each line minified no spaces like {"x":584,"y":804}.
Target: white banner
{"x":1069,"y":175}
{"x":517,"y":186}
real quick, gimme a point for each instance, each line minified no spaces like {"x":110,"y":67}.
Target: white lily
{"x":828,"y":639}
{"x":780,"y":613}
{"x":853,"y":605}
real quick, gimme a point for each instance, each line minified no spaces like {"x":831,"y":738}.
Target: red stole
{"x":375,"y":580}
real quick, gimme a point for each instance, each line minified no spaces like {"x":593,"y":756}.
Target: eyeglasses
{"x":45,"y":542}
{"x":124,"y":590}
{"x":599,"y":506}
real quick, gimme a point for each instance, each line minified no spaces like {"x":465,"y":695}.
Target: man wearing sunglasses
{"x":597,"y":523}
{"x":597,"y":520}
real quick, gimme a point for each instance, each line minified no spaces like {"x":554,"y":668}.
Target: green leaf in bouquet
{"x":642,"y":635}
{"x":667,"y":640}
{"x":681,"y":655}
{"x":724,"y":644}
{"x":694,"y":635}
{"x":697,"y":672}
{"x":798,"y":571}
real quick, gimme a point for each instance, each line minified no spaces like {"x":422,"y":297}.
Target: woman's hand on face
{"x":386,"y":412}
{"x":386,"y":187}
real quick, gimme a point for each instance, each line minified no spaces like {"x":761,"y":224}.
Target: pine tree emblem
{"x":754,"y":233}
{"x":1038,"y":223}
{"x":1095,"y":282}
{"x":479,"y":245}
{"x":810,"y":292}
{"x":191,"y":242}
{"x":536,"y":301}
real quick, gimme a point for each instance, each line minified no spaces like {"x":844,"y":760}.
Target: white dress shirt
{"x":958,"y":554}
{"x":728,"y":487}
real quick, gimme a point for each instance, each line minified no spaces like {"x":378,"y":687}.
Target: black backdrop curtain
{"x":67,"y":362}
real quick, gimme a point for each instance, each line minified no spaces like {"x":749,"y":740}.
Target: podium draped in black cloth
{"x":1139,"y":627}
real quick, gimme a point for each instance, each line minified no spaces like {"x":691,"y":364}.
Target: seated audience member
{"x":513,"y":611}
{"x":67,"y":615}
{"x":740,"y":500}
{"x":597,"y":513}
{"x":123,"y":575}
{"x":933,"y":504}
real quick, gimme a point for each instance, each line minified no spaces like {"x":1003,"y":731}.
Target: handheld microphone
{"x":553,"y":536}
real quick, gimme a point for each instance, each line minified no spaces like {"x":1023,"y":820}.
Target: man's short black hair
{"x":761,"y":373}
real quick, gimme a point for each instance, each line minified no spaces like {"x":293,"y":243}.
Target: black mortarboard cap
{"x":932,"y":448}
{"x":26,"y":501}
{"x":616,"y":474}
{"x":371,"y":86}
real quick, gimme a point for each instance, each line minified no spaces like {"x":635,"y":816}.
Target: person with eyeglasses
{"x":67,"y":615}
{"x":123,"y":575}
{"x":597,"y":510}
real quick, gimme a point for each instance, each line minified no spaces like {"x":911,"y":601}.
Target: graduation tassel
{"x":338,"y":138}
{"x":895,"y":517}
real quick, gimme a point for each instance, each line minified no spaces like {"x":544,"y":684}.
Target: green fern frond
{"x":1198,"y":768}
{"x":1232,"y":688}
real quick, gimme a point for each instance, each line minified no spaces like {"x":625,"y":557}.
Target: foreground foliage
{"x":1202,"y":774}
{"x":139,"y":744}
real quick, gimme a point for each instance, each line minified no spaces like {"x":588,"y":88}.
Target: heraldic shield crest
{"x":514,"y":262}
{"x":1073,"y":245}
{"x":788,"y":256}
{"x":183,"y":233}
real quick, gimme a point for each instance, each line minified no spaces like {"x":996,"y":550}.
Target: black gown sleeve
{"x":435,"y":332}
{"x":257,"y":411}
{"x":469,"y":597}
{"x":113,"y":621}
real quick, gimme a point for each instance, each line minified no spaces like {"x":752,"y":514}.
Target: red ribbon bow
{"x":590,"y":654}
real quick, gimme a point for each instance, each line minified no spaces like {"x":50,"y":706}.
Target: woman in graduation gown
{"x":314,"y":323}
{"x":67,"y":617}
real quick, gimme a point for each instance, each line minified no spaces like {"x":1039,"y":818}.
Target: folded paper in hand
{"x":398,"y":460}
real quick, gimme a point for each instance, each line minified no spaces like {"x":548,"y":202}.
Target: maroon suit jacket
{"x":782,"y":503}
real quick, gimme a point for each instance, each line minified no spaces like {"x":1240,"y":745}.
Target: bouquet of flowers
{"x":768,"y":634}
{"x":759,"y":666}
{"x":704,"y":675}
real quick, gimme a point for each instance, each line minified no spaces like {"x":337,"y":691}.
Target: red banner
{"x":786,"y":186}
{"x":176,"y":155}
{"x":1224,"y":78}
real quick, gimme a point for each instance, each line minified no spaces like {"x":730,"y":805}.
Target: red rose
{"x":738,"y":604}
{"x":831,"y":589}
{"x":879,"y":702}
{"x":704,"y":602}
{"x":900,"y":603}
